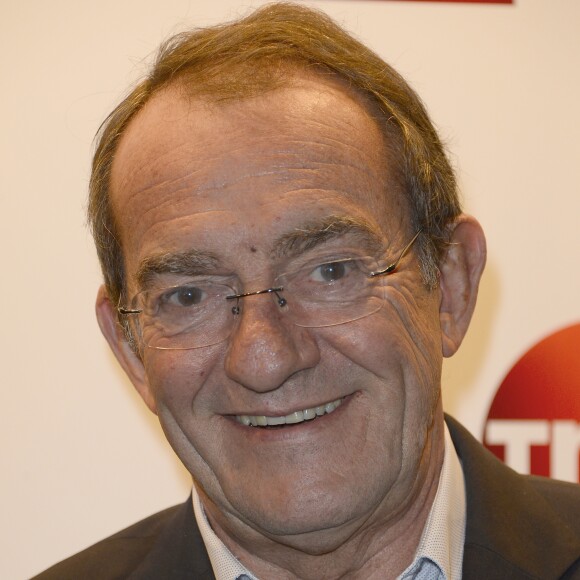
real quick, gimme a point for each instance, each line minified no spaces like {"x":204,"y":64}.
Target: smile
{"x":291,"y":419}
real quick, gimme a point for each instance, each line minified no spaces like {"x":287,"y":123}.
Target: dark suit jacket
{"x":518,"y":527}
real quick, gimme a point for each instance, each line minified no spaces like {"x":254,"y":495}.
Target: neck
{"x":380,"y":544}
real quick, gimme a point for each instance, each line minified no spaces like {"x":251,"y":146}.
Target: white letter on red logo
{"x":517,"y":436}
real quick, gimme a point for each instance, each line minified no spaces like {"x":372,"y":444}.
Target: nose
{"x":265,"y":349}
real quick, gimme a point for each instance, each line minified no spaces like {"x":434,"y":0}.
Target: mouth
{"x":292,"y":419}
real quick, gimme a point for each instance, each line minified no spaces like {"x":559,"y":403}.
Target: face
{"x":230,"y":182}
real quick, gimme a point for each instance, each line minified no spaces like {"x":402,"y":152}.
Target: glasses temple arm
{"x":392,"y":267}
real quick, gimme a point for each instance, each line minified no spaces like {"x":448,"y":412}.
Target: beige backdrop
{"x":81,"y":457}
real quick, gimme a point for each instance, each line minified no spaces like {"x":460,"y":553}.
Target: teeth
{"x":292,"y":419}
{"x":296,"y":417}
{"x":276,"y":420}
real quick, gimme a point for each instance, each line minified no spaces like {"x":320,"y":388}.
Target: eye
{"x":330,"y":272}
{"x":185,"y":296}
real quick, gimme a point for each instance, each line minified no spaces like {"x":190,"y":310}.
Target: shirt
{"x":439,"y":555}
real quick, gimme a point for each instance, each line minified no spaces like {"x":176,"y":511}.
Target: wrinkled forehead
{"x":312,"y":134}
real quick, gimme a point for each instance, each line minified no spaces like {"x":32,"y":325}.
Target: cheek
{"x":414,"y":316}
{"x":180,"y":384}
{"x":403,"y":335}
{"x":177,"y":377}
{"x":401,"y":346}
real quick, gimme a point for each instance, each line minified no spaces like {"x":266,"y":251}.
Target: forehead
{"x":185,"y":166}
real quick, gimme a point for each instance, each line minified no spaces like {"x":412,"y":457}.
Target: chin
{"x":296,"y":512}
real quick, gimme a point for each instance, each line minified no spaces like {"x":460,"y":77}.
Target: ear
{"x":460,"y":272}
{"x":128,"y":359}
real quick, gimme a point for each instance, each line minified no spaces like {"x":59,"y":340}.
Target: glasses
{"x":203,"y":311}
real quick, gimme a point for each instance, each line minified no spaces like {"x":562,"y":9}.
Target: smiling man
{"x":286,"y":264}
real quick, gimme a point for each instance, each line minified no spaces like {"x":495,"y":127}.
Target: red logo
{"x":534,"y":421}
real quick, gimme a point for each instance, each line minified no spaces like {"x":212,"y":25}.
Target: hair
{"x":255,"y":54}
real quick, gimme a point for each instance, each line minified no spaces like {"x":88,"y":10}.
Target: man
{"x":286,"y":263}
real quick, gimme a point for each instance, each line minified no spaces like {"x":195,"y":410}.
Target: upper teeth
{"x":296,"y":417}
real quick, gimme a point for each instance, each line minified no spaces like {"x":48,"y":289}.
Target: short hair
{"x":214,"y":62}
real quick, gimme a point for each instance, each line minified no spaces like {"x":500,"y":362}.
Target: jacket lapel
{"x":179,"y":552}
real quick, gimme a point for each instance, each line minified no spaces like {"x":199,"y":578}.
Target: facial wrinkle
{"x":144,"y":167}
{"x":403,"y":303}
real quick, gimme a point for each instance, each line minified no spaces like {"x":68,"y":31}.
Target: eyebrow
{"x":187,"y":263}
{"x":193,"y":262}
{"x":315,"y":233}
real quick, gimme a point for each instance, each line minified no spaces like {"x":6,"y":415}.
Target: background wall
{"x":80,"y":455}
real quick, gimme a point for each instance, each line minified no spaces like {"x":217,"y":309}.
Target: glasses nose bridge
{"x":273,"y":290}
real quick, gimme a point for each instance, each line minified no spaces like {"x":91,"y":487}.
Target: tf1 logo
{"x":533,"y":423}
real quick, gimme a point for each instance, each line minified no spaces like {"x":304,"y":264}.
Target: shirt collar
{"x":225,"y":565}
{"x":440,"y":550}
